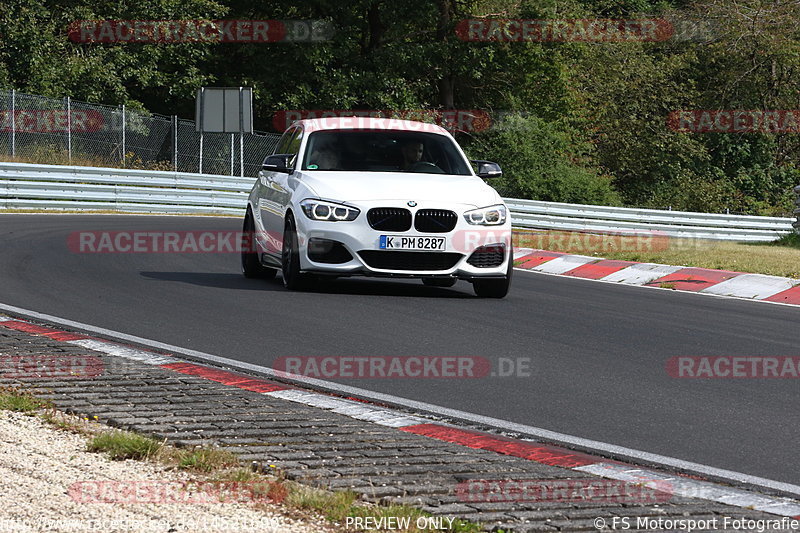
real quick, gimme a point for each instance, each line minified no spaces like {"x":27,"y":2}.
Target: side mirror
{"x":487,"y":169}
{"x":279,"y":163}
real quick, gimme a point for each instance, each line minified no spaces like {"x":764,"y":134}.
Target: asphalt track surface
{"x":598,"y":351}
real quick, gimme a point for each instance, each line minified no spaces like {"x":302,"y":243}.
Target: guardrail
{"x":31,"y":186}
{"x":796,"y":223}
{"x":595,"y":218}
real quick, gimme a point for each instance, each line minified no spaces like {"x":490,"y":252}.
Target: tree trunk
{"x":446,"y":83}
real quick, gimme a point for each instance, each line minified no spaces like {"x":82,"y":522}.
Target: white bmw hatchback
{"x":377,"y":197}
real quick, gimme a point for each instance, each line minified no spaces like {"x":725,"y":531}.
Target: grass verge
{"x":121,"y":445}
{"x":778,"y":258}
{"x":16,"y":399}
{"x":46,"y":155}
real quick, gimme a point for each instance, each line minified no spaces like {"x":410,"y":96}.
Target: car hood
{"x":400,"y":186}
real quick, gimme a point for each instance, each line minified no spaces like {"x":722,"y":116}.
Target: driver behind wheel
{"x":412,"y":154}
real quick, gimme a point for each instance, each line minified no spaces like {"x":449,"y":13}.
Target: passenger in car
{"x":328,"y":160}
{"x":326,"y":156}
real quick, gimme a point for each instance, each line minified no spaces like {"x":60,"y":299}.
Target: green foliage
{"x":14,"y":399}
{"x":792,"y":240}
{"x":121,"y":445}
{"x":537,"y":159}
{"x":39,"y":57}
{"x":207,"y":460}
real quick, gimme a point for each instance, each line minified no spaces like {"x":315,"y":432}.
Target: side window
{"x":294,"y":144}
{"x":283,"y":143}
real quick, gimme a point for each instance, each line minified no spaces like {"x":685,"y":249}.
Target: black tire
{"x":439,"y":282}
{"x":251,"y":264}
{"x":494,"y":288}
{"x":293,"y":279}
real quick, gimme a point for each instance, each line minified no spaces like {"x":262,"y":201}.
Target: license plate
{"x":397,"y":242}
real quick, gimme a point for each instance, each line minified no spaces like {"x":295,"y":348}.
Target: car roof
{"x":369,"y":123}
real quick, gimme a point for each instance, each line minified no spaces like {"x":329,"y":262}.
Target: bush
{"x":753,"y":191}
{"x":538,"y":161}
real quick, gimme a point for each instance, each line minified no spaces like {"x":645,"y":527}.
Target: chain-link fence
{"x":61,"y":130}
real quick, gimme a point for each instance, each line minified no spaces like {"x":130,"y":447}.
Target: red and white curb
{"x":360,"y":410}
{"x":126,"y":352}
{"x":691,"y":488}
{"x":699,"y":280}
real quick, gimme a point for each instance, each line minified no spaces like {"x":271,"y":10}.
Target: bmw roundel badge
{"x":412,"y":203}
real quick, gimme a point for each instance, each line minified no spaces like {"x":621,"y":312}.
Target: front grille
{"x":389,"y":219}
{"x":435,"y":221}
{"x":327,"y":251}
{"x":488,"y":256}
{"x":396,"y":260}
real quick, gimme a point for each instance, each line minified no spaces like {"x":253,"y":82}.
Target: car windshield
{"x":383,"y":151}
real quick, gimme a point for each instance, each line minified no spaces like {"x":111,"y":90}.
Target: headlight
{"x":328,"y":211}
{"x":494,"y":215}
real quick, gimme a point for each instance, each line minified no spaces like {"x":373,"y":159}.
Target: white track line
{"x":691,"y":488}
{"x":756,"y":286}
{"x":353,"y":409}
{"x":522,"y":252}
{"x":559,"y":265}
{"x":641,"y":273}
{"x":111,"y":348}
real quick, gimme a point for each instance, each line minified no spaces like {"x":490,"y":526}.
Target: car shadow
{"x":366,"y":286}
{"x":221,"y":280}
{"x":360,"y":286}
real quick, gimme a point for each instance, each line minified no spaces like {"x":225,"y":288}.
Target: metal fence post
{"x":231,"y":154}
{"x":69,"y":131}
{"x":13,"y":123}
{"x":123,"y":134}
{"x":241,"y":132}
{"x":175,"y":143}
{"x":200,"y":166}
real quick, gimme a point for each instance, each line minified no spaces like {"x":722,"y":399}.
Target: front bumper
{"x":357,"y":236}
